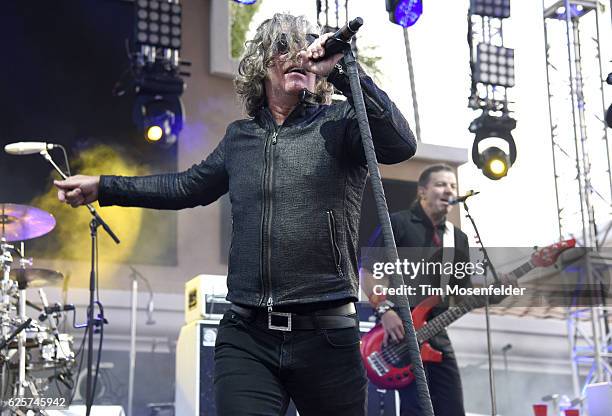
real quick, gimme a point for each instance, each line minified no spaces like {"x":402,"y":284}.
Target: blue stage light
{"x":576,"y":11}
{"x":404,"y":12}
{"x":245,"y":1}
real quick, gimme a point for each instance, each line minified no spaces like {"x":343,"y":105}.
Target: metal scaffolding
{"x":581,"y":161}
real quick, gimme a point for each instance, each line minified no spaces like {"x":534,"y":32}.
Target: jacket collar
{"x":306,"y":107}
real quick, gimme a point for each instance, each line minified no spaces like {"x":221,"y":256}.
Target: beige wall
{"x":209,"y":100}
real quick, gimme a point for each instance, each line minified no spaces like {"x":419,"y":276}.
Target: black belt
{"x":331,"y":318}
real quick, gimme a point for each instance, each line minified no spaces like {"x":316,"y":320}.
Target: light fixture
{"x":158,"y":24}
{"x":577,"y":9}
{"x":158,"y":109}
{"x":246,"y":1}
{"x":499,"y":9}
{"x":155,"y":67}
{"x":404,"y":12}
{"x":160,"y":118}
{"x":493,"y":161}
{"x":494,"y":65}
{"x":154,"y":133}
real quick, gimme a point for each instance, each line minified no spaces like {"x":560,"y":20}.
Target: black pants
{"x":257,"y":370}
{"x":444,"y":383}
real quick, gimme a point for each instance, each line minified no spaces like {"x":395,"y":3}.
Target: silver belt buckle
{"x":285,"y":315}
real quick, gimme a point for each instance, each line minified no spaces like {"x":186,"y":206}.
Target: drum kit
{"x":33,"y":353}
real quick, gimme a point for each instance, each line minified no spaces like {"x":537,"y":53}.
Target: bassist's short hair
{"x":426,"y":174}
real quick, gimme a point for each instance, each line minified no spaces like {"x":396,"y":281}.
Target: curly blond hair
{"x":260,"y":52}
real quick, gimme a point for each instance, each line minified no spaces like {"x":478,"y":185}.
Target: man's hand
{"x":78,"y":190}
{"x":315,"y":51}
{"x":393,"y":326}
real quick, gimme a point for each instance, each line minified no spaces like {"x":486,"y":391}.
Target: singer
{"x":424,"y":226}
{"x":295,"y":171}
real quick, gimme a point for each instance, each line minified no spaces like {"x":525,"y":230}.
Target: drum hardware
{"x":36,"y":278}
{"x":29,"y":350}
{"x":16,"y":332}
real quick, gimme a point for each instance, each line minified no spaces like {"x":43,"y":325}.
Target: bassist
{"x":424,"y":226}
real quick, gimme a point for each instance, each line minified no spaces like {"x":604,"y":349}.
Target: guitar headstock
{"x":547,"y":256}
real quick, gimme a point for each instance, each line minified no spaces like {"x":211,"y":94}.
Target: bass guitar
{"x":389,"y":367}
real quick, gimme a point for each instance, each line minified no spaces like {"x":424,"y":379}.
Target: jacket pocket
{"x":336,"y":254}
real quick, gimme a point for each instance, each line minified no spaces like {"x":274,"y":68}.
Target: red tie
{"x":435,"y":239}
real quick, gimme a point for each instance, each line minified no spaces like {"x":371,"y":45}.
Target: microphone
{"x":52,"y":323}
{"x":341,"y":39}
{"x":455,"y":201}
{"x":28,"y":148}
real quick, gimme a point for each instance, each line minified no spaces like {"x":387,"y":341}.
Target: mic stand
{"x":487,"y":264}
{"x":95,"y":222}
{"x":134,"y":316}
{"x":395,"y":280}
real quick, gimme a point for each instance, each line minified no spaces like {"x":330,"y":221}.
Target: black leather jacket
{"x":295,"y":192}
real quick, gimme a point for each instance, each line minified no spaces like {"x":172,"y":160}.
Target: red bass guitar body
{"x":378,"y":360}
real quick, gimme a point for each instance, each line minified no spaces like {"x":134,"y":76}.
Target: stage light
{"x":246,"y":1}
{"x":160,"y":118}
{"x":404,"y":12}
{"x":158,"y":24}
{"x":499,"y":9}
{"x":577,"y":9}
{"x":494,"y":65}
{"x":493,"y":161}
{"x":154,"y":133}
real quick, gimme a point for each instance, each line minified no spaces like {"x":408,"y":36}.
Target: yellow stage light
{"x":496,"y":163}
{"x":154,"y":133}
{"x":497,"y":167}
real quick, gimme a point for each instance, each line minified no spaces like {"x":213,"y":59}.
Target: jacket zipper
{"x":337,"y":255}
{"x":266,"y":221}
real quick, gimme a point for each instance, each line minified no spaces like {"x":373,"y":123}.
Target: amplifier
{"x":205,"y":297}
{"x":194,"y":369}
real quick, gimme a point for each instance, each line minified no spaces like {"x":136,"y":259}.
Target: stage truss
{"x":581,"y":161}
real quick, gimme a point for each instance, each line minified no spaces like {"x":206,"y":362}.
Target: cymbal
{"x":21,"y":222}
{"x":37,"y":277}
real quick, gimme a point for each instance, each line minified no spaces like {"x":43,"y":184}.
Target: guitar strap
{"x":448,"y":254}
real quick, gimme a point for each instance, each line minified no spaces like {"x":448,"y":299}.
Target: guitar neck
{"x":437,"y":324}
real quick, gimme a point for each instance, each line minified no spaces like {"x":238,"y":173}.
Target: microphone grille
{"x":355,"y":24}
